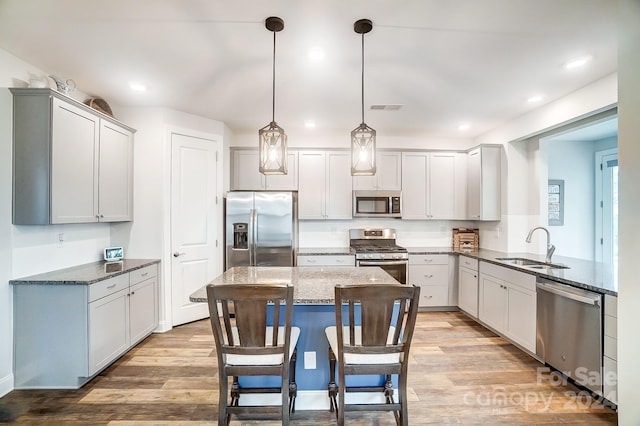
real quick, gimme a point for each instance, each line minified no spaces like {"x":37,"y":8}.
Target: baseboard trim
{"x":6,"y":384}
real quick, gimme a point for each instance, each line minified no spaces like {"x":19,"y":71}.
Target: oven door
{"x":396,"y":268}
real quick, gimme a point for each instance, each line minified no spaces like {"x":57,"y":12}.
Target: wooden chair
{"x":251,"y":345}
{"x":372,"y":337}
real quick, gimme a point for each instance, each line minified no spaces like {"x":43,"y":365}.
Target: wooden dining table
{"x":313,"y":311}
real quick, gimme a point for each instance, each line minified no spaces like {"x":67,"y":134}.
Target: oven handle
{"x":375,"y":263}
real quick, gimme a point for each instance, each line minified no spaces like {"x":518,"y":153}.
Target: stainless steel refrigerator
{"x":261,"y":228}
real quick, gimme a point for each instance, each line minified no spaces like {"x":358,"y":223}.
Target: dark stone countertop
{"x":88,"y":273}
{"x":586,"y":274}
{"x":325,"y":251}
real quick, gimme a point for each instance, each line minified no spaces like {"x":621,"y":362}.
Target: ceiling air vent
{"x":391,"y":107}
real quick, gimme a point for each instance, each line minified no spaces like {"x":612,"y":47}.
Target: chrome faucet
{"x":550,"y":247}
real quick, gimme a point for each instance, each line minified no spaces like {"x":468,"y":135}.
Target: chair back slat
{"x":386,"y":319}
{"x":248,"y":331}
{"x":376,"y":320}
{"x":251,"y":320}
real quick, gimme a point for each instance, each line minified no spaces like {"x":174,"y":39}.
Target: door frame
{"x":164,"y":294}
{"x":599,"y":197}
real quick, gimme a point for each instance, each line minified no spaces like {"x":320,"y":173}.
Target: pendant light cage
{"x":363,"y":137}
{"x":272,"y":140}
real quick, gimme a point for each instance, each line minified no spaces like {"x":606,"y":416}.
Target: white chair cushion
{"x":272,"y":359}
{"x":332,"y":337}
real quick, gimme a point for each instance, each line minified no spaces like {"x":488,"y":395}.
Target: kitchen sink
{"x":519,"y":261}
{"x":549,"y":266}
{"x":530,"y":263}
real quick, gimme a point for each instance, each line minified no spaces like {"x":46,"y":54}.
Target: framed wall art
{"x":556,"y":202}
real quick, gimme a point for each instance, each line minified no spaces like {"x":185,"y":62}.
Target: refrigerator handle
{"x":253,"y":217}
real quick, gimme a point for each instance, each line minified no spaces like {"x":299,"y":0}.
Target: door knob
{"x":177,"y":254}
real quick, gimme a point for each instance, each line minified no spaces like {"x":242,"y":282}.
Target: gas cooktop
{"x":376,"y":244}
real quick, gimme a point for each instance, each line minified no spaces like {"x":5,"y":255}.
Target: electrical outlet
{"x":309,"y":360}
{"x":60,"y":239}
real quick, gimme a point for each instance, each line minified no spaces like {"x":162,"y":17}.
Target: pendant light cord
{"x":362,"y":78}
{"x":273,"y":81}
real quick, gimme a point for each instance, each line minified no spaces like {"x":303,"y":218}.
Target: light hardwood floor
{"x":460,"y":373}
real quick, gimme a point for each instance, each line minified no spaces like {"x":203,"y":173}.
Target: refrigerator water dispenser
{"x":240,"y":236}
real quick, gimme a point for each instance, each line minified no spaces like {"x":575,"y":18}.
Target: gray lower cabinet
{"x":66,"y":334}
{"x":434,"y":274}
{"x":71,"y":164}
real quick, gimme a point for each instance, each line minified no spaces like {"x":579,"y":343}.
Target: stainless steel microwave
{"x":377,"y":204}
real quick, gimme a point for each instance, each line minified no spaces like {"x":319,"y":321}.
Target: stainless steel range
{"x":377,"y":247}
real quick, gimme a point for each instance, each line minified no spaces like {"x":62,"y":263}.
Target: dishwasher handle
{"x":578,"y":295}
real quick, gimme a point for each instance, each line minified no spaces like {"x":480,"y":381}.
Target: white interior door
{"x":607,"y":211}
{"x":194,"y":219}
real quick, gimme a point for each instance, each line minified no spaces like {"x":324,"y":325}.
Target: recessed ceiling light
{"x":534,"y":99}
{"x":463,"y":127}
{"x":137,"y":87}
{"x":577,"y":63}
{"x":316,"y":54}
{"x":309,"y":124}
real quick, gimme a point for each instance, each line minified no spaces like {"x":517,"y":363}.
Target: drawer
{"x":434,"y":296}
{"x":429,"y":275}
{"x":611,"y":347}
{"x":468,"y":262}
{"x":142,"y":274}
{"x":521,"y":279}
{"x":611,"y":305}
{"x":428,"y":259}
{"x":611,"y":326}
{"x":330,"y":260}
{"x":107,"y":287}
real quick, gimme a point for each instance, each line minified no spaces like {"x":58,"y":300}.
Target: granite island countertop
{"x":312,"y":285}
{"x":586,"y":274}
{"x":85,"y":274}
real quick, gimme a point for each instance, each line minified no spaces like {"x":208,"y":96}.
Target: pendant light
{"x":363,"y":137}
{"x":272,"y":145}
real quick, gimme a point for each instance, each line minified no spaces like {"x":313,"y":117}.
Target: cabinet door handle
{"x":428,"y":276}
{"x":311,"y":261}
{"x":428,"y":260}
{"x":111,"y":286}
{"x":133,"y":292}
{"x":144,"y":275}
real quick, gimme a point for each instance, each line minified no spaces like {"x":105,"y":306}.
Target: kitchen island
{"x":313,"y":311}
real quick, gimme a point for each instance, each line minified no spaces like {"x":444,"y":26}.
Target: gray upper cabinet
{"x":71,"y":164}
{"x":434,"y":185}
{"x":246,"y":176}
{"x":483,"y":183}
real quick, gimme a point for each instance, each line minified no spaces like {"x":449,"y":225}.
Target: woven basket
{"x":99,"y":104}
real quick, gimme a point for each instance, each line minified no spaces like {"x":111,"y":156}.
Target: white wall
{"x":518,"y":217}
{"x":629,"y":243}
{"x":574,"y":162}
{"x":148,"y":236}
{"x":28,"y":250}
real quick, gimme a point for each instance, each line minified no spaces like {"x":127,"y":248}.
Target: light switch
{"x":309,"y":360}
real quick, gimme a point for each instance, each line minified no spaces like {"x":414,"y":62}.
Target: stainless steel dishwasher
{"x":569,"y":331}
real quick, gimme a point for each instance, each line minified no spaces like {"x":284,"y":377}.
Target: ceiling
{"x":445,"y":62}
